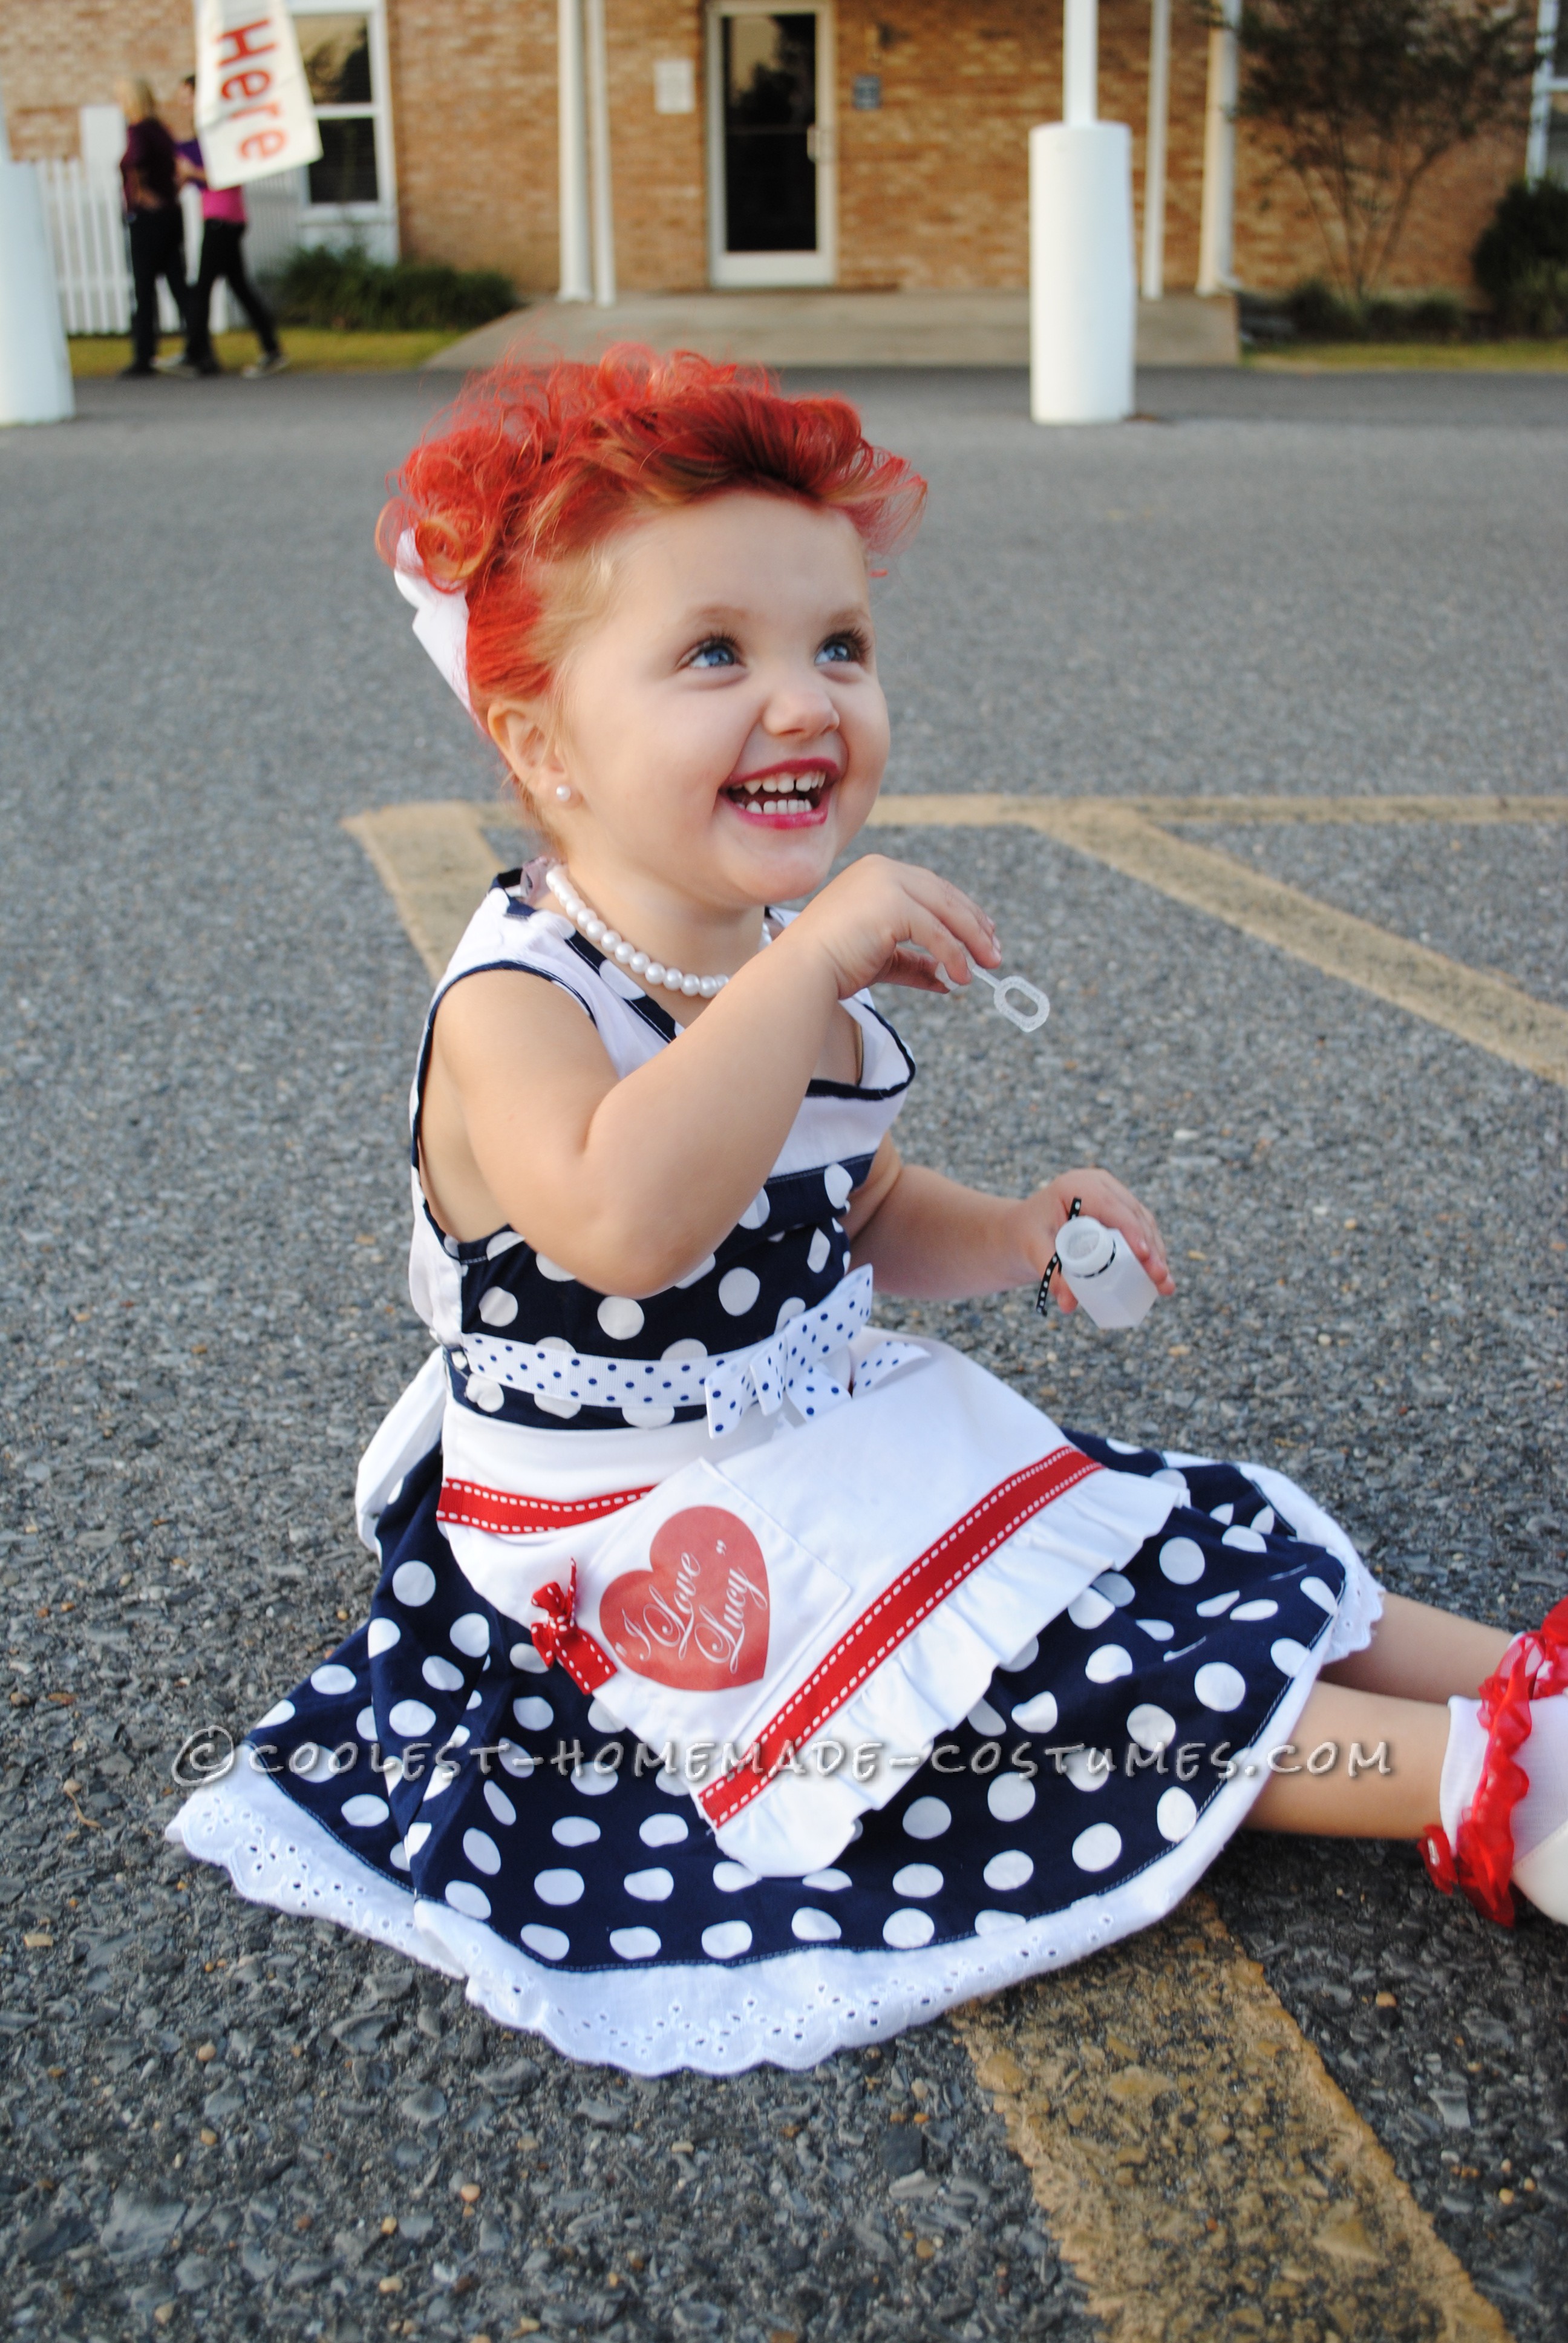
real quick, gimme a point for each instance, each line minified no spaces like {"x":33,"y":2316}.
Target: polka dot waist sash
{"x":793,"y":1364}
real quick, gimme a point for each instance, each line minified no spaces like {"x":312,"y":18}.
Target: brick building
{"x":858,"y":143}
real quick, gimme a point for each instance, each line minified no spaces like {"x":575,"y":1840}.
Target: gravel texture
{"x":1355,"y":599}
{"x":209,"y":2113}
{"x":1485,"y":896}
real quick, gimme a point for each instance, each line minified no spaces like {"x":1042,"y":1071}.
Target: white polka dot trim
{"x":1097,"y":1848}
{"x":1181,"y":1560}
{"x":409,"y":1719}
{"x":650,"y":1887}
{"x":1219,"y":1686}
{"x":413,"y":1584}
{"x":574,"y":1830}
{"x":1175,"y":1814}
{"x":738,"y":1290}
{"x":1009,"y":1797}
{"x":1038,"y":1715}
{"x":726,"y":1940}
{"x":550,"y":1944}
{"x":918,"y":1879}
{"x":814,"y":1927}
{"x":480,"y":1849}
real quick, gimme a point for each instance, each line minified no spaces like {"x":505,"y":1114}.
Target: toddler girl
{"x":739,"y":1683}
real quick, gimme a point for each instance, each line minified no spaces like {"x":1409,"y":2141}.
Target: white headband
{"x":440,"y":620}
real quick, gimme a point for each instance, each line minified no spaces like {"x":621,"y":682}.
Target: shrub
{"x":1521,"y":261}
{"x":316,"y":286}
{"x":1318,"y":314}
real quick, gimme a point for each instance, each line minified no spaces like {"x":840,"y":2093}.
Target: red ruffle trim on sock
{"x":1482,"y":1865}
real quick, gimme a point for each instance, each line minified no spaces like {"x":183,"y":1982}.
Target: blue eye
{"x":842,"y":650}
{"x":719,"y":652}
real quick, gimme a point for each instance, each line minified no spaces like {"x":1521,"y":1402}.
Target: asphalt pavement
{"x":215,"y":2117}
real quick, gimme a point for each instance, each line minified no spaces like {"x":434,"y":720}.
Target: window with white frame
{"x":344,"y":51}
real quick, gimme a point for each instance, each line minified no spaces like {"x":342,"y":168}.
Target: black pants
{"x":158,"y":250}
{"x":221,"y":256}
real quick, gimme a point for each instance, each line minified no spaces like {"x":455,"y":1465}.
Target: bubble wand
{"x":1027,"y":1021}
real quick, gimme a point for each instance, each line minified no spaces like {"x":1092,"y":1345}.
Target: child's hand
{"x":885,"y":922}
{"x":1104,"y":1200}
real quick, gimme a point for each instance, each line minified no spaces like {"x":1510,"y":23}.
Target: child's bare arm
{"x":927,"y":1235}
{"x":629,"y":1183}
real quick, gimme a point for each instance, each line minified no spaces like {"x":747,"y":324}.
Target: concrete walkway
{"x":830,"y":328}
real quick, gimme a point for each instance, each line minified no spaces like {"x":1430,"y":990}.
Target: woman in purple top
{"x":149,"y":177}
{"x":222,"y":227}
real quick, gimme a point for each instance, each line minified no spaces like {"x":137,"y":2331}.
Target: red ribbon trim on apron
{"x":468,"y":1504}
{"x":561,"y":1642}
{"x":891,"y":1619}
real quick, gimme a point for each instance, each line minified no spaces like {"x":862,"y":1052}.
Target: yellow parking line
{"x":1478,"y":1006}
{"x":434,"y":862}
{"x":1465,"y":811}
{"x":1199,"y":2170}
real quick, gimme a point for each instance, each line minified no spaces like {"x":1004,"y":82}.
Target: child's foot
{"x":1503,"y":1800}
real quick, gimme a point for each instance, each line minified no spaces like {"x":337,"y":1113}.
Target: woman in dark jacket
{"x":148,"y":173}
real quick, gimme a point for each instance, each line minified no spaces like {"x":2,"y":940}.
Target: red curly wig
{"x":533,"y":465}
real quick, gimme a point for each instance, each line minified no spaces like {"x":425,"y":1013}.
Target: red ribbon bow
{"x":561,"y":1642}
{"x":1480,"y":1863}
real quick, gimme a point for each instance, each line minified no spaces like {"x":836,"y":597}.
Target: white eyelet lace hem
{"x":790,"y":2009}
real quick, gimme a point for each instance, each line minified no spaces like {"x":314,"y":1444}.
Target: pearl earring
{"x":564,"y":792}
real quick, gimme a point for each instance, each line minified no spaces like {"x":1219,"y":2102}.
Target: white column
{"x":576,"y":284}
{"x":1082,"y":291}
{"x":1080,"y":63}
{"x":35,"y":368}
{"x":1547,"y":17}
{"x":1215,"y":258}
{"x":598,"y":155}
{"x":1154,"y":151}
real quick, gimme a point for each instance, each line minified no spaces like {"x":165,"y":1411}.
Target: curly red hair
{"x":533,"y":465}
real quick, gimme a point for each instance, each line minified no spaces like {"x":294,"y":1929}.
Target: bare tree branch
{"x":1365,"y":97}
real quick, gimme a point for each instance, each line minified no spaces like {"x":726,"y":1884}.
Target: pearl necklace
{"x":613,"y":945}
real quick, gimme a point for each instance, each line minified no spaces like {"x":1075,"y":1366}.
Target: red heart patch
{"x":697,"y":1618}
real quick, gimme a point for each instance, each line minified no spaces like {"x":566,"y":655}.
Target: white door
{"x":771,"y":176}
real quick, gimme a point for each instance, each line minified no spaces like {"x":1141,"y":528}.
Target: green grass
{"x":1362,"y":357}
{"x":311,"y":349}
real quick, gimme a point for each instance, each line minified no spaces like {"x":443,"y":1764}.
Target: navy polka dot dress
{"x":437,"y":1786}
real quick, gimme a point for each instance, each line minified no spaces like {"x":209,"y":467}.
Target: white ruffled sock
{"x":1462,"y":1762}
{"x":1543,"y":1758}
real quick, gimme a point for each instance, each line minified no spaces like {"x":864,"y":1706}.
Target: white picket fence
{"x":92,"y":263}
{"x":87,"y":231}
